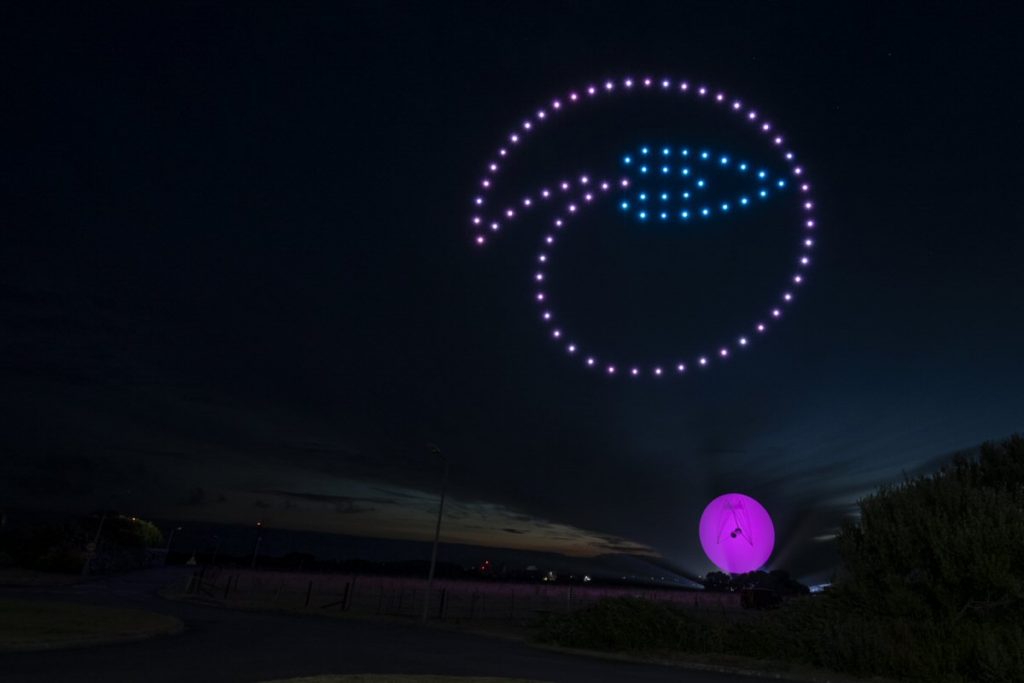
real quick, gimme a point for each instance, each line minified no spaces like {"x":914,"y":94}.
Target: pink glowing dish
{"x":737,"y":533}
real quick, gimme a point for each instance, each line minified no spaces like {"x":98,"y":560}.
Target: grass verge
{"x":394,"y":678}
{"x":44,"y":625}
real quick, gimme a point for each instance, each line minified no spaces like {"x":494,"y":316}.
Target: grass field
{"x":43,"y":625}
{"x":386,"y":678}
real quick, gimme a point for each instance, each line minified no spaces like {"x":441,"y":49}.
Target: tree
{"x":949,"y":546}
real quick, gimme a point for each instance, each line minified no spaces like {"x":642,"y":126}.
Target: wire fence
{"x":461,"y":600}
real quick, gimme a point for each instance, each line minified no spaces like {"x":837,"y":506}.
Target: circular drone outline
{"x":569,"y":197}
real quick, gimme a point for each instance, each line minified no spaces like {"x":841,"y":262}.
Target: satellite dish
{"x":737,"y":533}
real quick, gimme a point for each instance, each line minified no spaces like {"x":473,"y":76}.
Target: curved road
{"x":221,"y":645}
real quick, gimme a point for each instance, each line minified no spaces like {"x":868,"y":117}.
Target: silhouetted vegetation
{"x":777,"y":581}
{"x":64,"y":547}
{"x":932,"y":589}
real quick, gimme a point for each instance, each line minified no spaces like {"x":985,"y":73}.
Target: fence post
{"x":344,"y":598}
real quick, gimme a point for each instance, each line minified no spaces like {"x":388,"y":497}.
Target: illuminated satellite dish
{"x":737,"y":533}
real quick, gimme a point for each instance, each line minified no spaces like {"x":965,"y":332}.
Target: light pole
{"x":259,"y":539}
{"x":170,"y":540}
{"x":91,"y":548}
{"x":437,"y":532}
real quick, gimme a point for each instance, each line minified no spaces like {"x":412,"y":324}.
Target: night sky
{"x":237,"y":280}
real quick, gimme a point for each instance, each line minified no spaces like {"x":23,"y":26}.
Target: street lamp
{"x":259,"y":540}
{"x":437,"y":531}
{"x":91,"y":548}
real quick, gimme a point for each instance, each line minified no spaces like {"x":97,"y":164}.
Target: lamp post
{"x":259,"y":539}
{"x":437,"y":532}
{"x":170,"y":540}
{"x":91,"y":548}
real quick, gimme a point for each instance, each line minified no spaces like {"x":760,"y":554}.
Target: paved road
{"x":221,"y":645}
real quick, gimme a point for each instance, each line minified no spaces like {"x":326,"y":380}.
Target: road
{"x":227,"y":645}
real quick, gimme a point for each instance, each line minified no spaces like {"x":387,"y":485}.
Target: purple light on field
{"x":737,"y":533}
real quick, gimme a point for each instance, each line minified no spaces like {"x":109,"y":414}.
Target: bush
{"x":932,"y":589}
{"x":626,"y":625}
{"x":946,"y":547}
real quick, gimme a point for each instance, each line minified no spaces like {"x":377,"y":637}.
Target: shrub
{"x":932,"y":589}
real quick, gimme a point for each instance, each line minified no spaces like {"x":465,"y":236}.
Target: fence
{"x":449,"y":600}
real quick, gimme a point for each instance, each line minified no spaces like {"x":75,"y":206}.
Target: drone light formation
{"x":737,"y":533}
{"x":569,"y":198}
